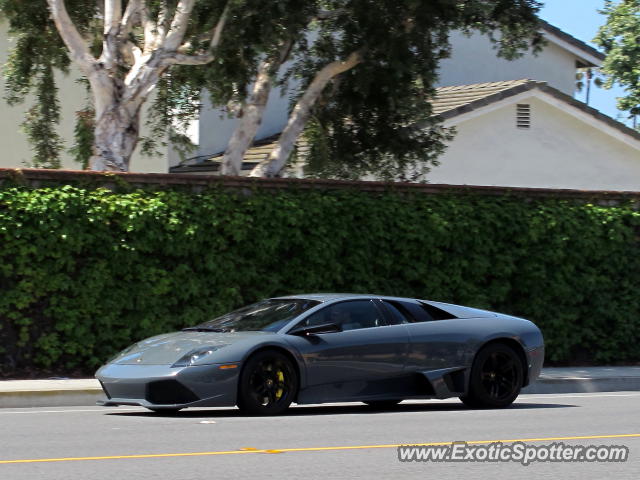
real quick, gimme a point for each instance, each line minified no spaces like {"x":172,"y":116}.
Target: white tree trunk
{"x":250,"y":121}
{"x":252,"y":112}
{"x":277,"y":160}
{"x":116,"y":135}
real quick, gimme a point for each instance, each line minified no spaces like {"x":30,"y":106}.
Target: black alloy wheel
{"x":268,"y":384}
{"x":496,"y":378}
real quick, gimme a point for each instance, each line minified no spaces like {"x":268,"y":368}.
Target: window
{"x":397,"y":313}
{"x":411,"y":312}
{"x":436,"y":313}
{"x":523,"y":115}
{"x":268,"y":315}
{"x":350,"y":315}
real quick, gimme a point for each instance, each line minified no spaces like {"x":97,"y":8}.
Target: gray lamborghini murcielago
{"x":330,"y":348}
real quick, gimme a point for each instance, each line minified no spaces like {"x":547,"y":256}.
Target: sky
{"x":580,"y":18}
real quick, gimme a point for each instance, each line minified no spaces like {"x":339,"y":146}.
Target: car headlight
{"x":194,"y":355}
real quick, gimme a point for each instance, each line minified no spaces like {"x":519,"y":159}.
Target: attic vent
{"x":523,"y":115}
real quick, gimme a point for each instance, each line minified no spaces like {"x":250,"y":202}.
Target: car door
{"x":361,"y":361}
{"x":437,"y":339}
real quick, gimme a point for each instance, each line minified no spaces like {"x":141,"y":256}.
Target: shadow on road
{"x":304,"y":410}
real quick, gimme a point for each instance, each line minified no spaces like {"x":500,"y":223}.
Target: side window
{"x":349,"y":315}
{"x":412,"y":311}
{"x":435,"y":312}
{"x":397,"y":313}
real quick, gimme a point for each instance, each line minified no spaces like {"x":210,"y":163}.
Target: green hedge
{"x":85,"y":271}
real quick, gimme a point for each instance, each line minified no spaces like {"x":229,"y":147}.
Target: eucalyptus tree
{"x":364,"y":72}
{"x":367,"y":78}
{"x":360,"y":74}
{"x":619,"y":37}
{"x":124,"y":51}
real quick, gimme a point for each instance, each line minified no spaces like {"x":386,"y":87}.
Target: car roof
{"x":329,"y":297}
{"x":458,"y":311}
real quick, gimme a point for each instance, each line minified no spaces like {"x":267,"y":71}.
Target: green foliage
{"x":82,"y":148}
{"x":84,"y":272}
{"x":620,"y":39}
{"x":40,"y":121}
{"x":38,"y":53}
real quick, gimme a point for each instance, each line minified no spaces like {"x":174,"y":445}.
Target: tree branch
{"x":77,"y":46}
{"x":134,"y":13}
{"x":217,"y":31}
{"x":130,"y":52}
{"x":111,"y":30}
{"x":277,"y":159}
{"x":112,"y":15}
{"x":149,"y":29}
{"x":164,"y":20}
{"x":253,"y":111}
{"x":134,"y":10}
{"x":207,"y":57}
{"x":179,"y":25}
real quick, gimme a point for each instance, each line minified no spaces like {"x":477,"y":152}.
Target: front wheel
{"x":268,"y":384}
{"x":496,"y":378}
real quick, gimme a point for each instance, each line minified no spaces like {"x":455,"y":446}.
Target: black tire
{"x":383,"y":404}
{"x":496,"y":378}
{"x":268,"y":384}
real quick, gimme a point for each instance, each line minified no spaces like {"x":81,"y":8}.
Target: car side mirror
{"x":316,"y":329}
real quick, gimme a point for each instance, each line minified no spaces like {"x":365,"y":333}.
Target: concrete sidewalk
{"x":85,"y":392}
{"x":586,"y":380}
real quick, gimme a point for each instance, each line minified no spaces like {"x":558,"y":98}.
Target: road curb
{"x":50,"y":393}
{"x":50,"y":398}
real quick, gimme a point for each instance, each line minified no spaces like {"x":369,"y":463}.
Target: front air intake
{"x":169,"y":392}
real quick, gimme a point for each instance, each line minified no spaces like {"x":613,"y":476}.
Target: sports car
{"x":322,"y":348}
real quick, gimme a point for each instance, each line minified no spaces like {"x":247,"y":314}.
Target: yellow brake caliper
{"x":280,"y":391}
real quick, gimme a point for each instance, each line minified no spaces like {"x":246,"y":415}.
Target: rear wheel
{"x":496,"y":378}
{"x":268,"y":384}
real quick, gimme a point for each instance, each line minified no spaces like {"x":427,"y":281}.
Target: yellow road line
{"x":251,"y":450}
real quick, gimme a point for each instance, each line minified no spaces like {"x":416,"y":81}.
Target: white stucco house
{"x":517,"y":123}
{"x":526,"y":133}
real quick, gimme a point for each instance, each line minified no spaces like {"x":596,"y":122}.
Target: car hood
{"x":168,"y":348}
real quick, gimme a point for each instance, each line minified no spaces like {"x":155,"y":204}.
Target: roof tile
{"x":451,"y":98}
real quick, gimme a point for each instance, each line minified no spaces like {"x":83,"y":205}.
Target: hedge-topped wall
{"x":84,"y":271}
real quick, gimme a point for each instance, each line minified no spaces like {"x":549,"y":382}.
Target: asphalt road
{"x":308,"y":442}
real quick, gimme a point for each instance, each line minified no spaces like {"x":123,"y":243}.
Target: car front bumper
{"x":535,"y":359}
{"x":165,"y":387}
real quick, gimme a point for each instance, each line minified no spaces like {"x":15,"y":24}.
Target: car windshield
{"x":267,"y":316}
